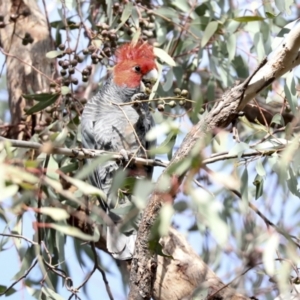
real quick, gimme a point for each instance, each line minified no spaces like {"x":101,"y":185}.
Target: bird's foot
{"x":125,"y":154}
{"x":139,"y":96}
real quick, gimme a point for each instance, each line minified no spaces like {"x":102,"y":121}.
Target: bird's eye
{"x":137,"y":69}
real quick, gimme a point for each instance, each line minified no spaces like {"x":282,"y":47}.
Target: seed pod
{"x":75,"y":81}
{"x":184,"y":93}
{"x":172,"y":104}
{"x":30,"y":40}
{"x":80,"y":58}
{"x":71,"y":71}
{"x":148,"y":33}
{"x":152,"y":17}
{"x":66,"y":82}
{"x":104,"y":33}
{"x":85,"y":78}
{"x":177,"y":92}
{"x":150,"y":26}
{"x":68,"y":51}
{"x":2,"y":24}
{"x":94,"y":56}
{"x":74,"y":62}
{"x":107,"y":51}
{"x":91,"y":48}
{"x":182,"y":102}
{"x":65,"y":64}
{"x":160,"y":107}
{"x":49,"y":109}
{"x":61,"y":47}
{"x":63,"y":72}
{"x":85,"y":51}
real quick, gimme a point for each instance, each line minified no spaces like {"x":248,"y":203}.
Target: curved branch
{"x":222,"y":114}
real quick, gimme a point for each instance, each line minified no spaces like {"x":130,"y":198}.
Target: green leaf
{"x":57,"y":214}
{"x":9,"y":292}
{"x":244,"y":185}
{"x":50,"y":294}
{"x":231,"y":46}
{"x":290,"y":92}
{"x":164,"y":56}
{"x":43,"y":104}
{"x":126,"y":14}
{"x":284,"y":6}
{"x":38,"y":97}
{"x":61,"y":25}
{"x":75,"y":232}
{"x":169,"y":80}
{"x":278,"y":119}
{"x":86,"y":188}
{"x":238,"y":149}
{"x":270,"y":15}
{"x":259,"y":184}
{"x":92,"y":165}
{"x":246,"y":19}
{"x":142,"y":190}
{"x":260,"y":168}
{"x":167,"y":12}
{"x":54,"y":53}
{"x":210,"y":30}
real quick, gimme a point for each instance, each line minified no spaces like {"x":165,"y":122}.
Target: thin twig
{"x":22,"y":277}
{"x":102,"y":272}
{"x":18,"y":236}
{"x":81,"y":153}
{"x":28,"y":64}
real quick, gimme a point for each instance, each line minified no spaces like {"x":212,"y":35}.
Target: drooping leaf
{"x":75,"y":232}
{"x":54,"y":53}
{"x":247,"y":19}
{"x":55,"y":213}
{"x":42,"y":104}
{"x":210,"y":30}
{"x":50,"y":294}
{"x":164,"y":56}
{"x":125,"y":14}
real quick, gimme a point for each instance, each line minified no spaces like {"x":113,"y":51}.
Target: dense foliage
{"x":202,"y":49}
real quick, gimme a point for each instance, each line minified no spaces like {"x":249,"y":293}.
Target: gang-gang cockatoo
{"x":120,"y":129}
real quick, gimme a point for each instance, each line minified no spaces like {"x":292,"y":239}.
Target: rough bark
{"x":180,"y":277}
{"x":21,"y":17}
{"x":223,"y":113}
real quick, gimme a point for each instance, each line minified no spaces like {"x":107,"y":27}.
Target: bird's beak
{"x":149,"y":79}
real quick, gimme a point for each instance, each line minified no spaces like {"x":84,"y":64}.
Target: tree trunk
{"x":27,"y":65}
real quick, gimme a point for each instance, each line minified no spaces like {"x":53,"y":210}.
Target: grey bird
{"x":105,"y":125}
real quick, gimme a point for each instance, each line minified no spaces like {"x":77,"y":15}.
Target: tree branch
{"x":222,"y":114}
{"x":80,"y":153}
